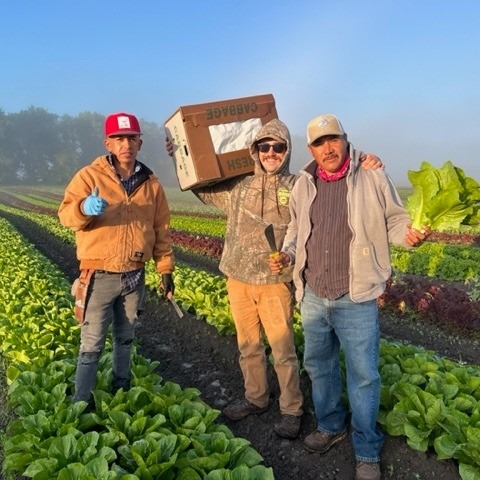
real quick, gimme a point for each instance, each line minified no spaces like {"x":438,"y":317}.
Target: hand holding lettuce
{"x":415,"y":237}
{"x":443,"y":198}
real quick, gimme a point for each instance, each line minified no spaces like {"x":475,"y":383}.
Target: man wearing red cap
{"x":119,"y":212}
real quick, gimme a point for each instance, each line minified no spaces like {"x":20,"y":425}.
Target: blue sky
{"x":403,"y":77}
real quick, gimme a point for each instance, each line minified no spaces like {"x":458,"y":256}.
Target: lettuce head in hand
{"x":443,"y":198}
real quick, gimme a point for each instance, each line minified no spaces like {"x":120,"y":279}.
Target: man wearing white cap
{"x":119,"y":212}
{"x":343,"y":219}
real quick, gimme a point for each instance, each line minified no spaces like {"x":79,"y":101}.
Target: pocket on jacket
{"x":142,"y":240}
{"x":369,"y":267}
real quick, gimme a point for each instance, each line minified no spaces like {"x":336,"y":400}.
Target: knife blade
{"x":174,"y":303}
{"x":176,"y":307}
{"x":270,"y":236}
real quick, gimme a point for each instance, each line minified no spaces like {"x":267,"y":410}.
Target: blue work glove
{"x":93,"y":204}
{"x":167,"y":284}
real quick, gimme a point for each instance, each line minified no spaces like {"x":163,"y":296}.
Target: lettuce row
{"x":154,"y":430}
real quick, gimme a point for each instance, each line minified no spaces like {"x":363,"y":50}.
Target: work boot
{"x":242,"y":409}
{"x":321,"y":442}
{"x":368,"y":471}
{"x":119,"y":383}
{"x":288,"y":426}
{"x":90,"y":406}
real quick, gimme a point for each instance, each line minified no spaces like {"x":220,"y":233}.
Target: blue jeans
{"x":109,"y":302}
{"x":330,"y":325}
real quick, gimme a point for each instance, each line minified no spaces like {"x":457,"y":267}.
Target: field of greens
{"x":155,"y":430}
{"x":158,"y":430}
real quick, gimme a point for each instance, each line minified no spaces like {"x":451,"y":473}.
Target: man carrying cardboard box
{"x":259,"y":301}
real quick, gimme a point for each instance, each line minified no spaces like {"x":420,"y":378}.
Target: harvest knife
{"x":176,"y":307}
{"x":270,"y":236}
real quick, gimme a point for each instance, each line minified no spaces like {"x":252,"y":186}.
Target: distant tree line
{"x":39,"y":147}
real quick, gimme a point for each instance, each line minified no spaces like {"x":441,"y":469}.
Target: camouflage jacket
{"x":251,"y":202}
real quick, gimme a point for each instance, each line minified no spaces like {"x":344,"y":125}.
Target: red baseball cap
{"x":122,"y":124}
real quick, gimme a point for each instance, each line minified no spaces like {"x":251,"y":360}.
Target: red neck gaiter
{"x":337,"y":175}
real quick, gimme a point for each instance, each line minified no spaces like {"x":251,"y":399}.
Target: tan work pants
{"x":269,"y":307}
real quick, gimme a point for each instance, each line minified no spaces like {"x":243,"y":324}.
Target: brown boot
{"x":368,"y":471}
{"x":322,"y":442}
{"x":288,"y":426}
{"x":242,"y":409}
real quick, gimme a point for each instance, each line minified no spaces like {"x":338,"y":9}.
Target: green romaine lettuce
{"x":443,"y":198}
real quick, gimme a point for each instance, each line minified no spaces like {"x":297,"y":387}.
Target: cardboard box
{"x":211,"y":140}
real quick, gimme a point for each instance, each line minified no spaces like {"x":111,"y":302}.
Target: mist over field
{"x":40,"y":147}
